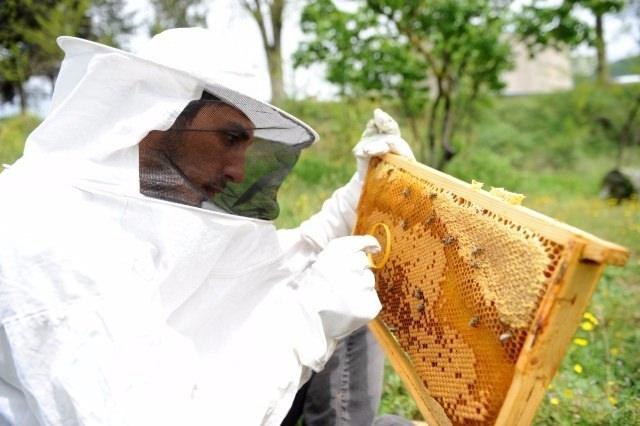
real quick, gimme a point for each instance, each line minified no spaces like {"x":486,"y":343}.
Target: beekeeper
{"x":142,"y":280}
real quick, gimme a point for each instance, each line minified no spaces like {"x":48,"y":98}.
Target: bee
{"x":448,"y":240}
{"x":418,"y":293}
{"x":474,"y":322}
{"x":420,"y":307}
{"x":477,"y":251}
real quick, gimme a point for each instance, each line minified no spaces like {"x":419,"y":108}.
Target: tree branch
{"x":256,"y":11}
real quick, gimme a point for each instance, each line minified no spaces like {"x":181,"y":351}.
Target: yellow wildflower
{"x":550,"y":387}
{"x":589,"y":316}
{"x":578,"y":368}
{"x":554,"y":401}
{"x":586,"y":326}
{"x":568,"y":393}
{"x":614,"y":351}
{"x":580,"y":341}
{"x":612,"y":400}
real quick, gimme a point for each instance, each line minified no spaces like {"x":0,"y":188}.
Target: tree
{"x":376,"y":66}
{"x":15,"y":53}
{"x":436,"y":57}
{"x":268,"y":14}
{"x":28,"y":40}
{"x":110,"y":23}
{"x":66,"y":17}
{"x":543,"y":25}
{"x":177,"y":13}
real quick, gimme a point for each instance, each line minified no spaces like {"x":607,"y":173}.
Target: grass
{"x":548,"y":147}
{"x":598,"y":381}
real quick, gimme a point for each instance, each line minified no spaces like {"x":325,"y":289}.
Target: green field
{"x":552,"y":148}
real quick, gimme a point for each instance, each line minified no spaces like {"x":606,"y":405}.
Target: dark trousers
{"x":347,"y":392}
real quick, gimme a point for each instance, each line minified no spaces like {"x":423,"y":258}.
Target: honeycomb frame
{"x":475,"y":292}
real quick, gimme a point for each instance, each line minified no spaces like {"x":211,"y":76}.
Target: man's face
{"x":211,"y":151}
{"x":202,"y":155}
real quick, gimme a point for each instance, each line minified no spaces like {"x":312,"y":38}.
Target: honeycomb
{"x":460,"y":288}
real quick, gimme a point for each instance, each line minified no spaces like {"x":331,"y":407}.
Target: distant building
{"x":548,"y":71}
{"x":627,"y":79}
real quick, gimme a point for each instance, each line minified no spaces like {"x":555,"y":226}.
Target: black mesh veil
{"x":222,"y":154}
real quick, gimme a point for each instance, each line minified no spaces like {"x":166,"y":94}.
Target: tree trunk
{"x":431,"y":137}
{"x":413,"y":124}
{"x":448,"y":152}
{"x":269,"y":17}
{"x":23,"y":98}
{"x":274,"y":59}
{"x":602,"y":70}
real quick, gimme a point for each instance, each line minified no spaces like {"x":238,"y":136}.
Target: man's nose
{"x":234,"y":168}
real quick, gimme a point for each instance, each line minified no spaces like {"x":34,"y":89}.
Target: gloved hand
{"x":338,"y":213}
{"x":382,"y":135}
{"x":339,"y":286}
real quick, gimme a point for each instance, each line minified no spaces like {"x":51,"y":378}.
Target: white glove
{"x":382,"y":135}
{"x":338,"y":213}
{"x":337,"y":293}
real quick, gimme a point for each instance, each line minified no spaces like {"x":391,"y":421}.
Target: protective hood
{"x":117,"y":98}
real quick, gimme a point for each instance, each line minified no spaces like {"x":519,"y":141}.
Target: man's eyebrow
{"x":238,"y":130}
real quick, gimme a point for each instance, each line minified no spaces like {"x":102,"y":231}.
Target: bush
{"x":13,"y":132}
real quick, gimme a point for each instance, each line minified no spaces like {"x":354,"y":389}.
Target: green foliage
{"x":541,"y":25}
{"x":625,"y":66}
{"x":396,"y":399}
{"x":403,"y":50}
{"x":13,"y":132}
{"x":30,"y":28}
{"x":544,"y":23}
{"x":360,"y":60}
{"x":58,"y":18}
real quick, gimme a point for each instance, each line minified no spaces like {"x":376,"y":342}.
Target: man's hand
{"x":341,"y":286}
{"x":381,"y":135}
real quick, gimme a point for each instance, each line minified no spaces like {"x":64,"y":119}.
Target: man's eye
{"x":233,"y":138}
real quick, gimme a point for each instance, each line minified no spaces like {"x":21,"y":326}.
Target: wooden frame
{"x":557,"y":316}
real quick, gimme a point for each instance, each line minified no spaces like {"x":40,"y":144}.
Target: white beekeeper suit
{"x":118,"y":308}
